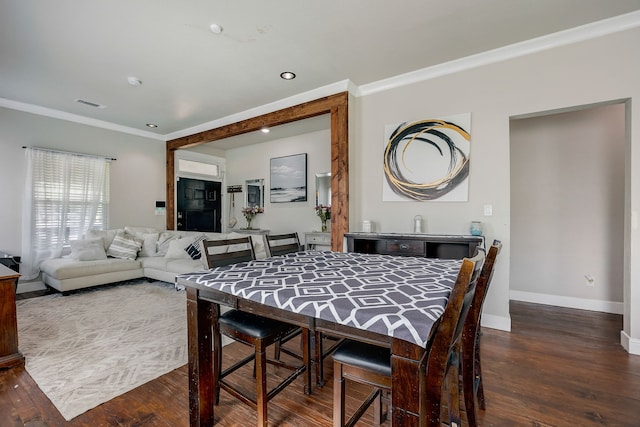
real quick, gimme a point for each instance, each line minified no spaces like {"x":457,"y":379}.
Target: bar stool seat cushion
{"x":378,"y":358}
{"x":253,"y":325}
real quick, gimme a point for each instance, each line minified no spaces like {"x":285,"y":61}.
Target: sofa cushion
{"x":149,"y":244}
{"x":88,"y":249}
{"x":125,"y":246}
{"x":155,"y":262}
{"x":149,"y":236}
{"x":106,"y":235}
{"x":178,"y":247}
{"x":140,"y":230}
{"x":173,"y":265}
{"x":182,"y":266}
{"x":67,"y":268}
{"x":164,"y":239}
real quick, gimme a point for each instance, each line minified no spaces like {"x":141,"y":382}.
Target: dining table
{"x":385,"y":300}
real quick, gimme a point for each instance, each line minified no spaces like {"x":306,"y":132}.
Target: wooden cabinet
{"x":420,"y":245}
{"x":9,"y":354}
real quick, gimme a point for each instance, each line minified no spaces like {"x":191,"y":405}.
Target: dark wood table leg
{"x":199,"y":340}
{"x":306,"y":360}
{"x":405,"y":383}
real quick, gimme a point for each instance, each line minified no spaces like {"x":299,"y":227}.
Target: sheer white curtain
{"x":66,"y":194}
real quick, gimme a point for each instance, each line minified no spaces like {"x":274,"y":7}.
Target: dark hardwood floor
{"x":558,"y":367}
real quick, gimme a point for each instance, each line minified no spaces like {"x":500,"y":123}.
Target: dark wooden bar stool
{"x":370,"y":364}
{"x":471,"y":369}
{"x":255,"y":331}
{"x":281,"y":244}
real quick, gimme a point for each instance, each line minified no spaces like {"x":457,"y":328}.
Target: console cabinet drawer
{"x":417,"y":245}
{"x":406,"y":247}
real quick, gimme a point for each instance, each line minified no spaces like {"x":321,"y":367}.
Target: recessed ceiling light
{"x":134,"y":81}
{"x":215,"y":28}
{"x":287,"y":75}
{"x":151,"y":125}
{"x":265,"y":130}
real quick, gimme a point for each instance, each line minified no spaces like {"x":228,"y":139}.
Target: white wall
{"x":253,"y":162}
{"x":567,"y":190}
{"x":584,"y":73}
{"x":137,"y":176}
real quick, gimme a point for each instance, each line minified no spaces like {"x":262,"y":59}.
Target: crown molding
{"x":549,"y":41}
{"x":62,"y":115}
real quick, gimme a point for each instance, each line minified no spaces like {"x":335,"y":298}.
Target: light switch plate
{"x":488,"y":210}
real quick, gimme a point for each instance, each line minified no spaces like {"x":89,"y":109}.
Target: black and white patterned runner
{"x":398,"y":296}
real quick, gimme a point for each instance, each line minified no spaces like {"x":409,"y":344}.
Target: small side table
{"x":10,"y":356}
{"x":317,"y":240}
{"x":11,"y":261}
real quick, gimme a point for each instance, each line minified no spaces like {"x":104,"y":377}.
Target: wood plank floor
{"x":558,"y":367}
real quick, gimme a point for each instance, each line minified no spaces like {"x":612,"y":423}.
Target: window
{"x":198,"y":168}
{"x":66,"y":195}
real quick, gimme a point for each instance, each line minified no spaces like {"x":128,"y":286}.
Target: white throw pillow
{"x":125,"y":246}
{"x":164,"y":239}
{"x":138,"y":231}
{"x":149,"y":235}
{"x":106,"y":235}
{"x":149,"y":243}
{"x":177,"y":248}
{"x":88,"y":249}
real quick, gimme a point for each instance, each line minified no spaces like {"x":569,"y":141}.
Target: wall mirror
{"x":254,"y":192}
{"x":323,"y":189}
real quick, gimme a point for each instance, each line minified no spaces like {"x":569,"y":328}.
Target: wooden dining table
{"x":380,"y":299}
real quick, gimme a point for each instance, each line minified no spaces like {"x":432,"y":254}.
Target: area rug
{"x":91,"y":346}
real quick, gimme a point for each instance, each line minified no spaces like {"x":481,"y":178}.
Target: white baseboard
{"x":30,"y":287}
{"x":569,"y":302}
{"x":496,"y":322}
{"x":632,"y":345}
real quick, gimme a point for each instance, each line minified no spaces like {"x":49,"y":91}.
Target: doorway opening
{"x":568,"y":172}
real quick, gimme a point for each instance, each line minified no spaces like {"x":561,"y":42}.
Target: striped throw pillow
{"x":125,"y":246}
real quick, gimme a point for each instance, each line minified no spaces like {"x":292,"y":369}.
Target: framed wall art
{"x":289,"y":179}
{"x":427,"y":160}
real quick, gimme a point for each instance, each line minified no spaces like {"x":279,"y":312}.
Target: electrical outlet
{"x":590,"y":280}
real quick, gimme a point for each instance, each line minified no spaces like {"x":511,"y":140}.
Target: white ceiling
{"x":55,"y":52}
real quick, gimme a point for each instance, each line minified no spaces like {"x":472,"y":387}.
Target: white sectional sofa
{"x":157,"y":254}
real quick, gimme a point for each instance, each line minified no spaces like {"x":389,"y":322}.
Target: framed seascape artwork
{"x":427,"y":160}
{"x":289,"y":179}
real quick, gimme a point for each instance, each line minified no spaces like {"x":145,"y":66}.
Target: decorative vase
{"x":249,"y":223}
{"x":324,"y":225}
{"x":476,"y":228}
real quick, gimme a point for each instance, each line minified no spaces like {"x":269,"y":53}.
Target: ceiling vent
{"x":90,"y":104}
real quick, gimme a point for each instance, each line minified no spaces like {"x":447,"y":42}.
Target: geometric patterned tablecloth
{"x":398,"y":296}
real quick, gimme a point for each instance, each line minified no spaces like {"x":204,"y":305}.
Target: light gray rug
{"x":89,"y":347}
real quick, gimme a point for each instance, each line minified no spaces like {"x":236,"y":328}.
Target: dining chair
{"x":471,"y":371}
{"x":252,"y":330}
{"x":281,"y":244}
{"x":370,"y":364}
